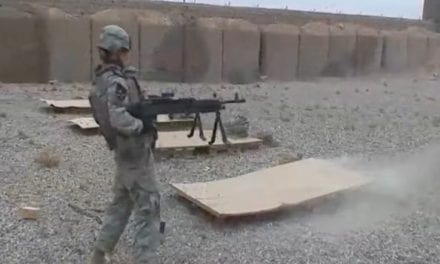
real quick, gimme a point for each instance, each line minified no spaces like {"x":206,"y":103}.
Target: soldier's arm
{"x":120,"y":119}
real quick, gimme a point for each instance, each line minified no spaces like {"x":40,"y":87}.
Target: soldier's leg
{"x":116,"y":219}
{"x":147,"y":222}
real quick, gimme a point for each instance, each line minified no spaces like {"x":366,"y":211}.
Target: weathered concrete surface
{"x":368,"y":52}
{"x":342,"y":45}
{"x":21,"y":49}
{"x":204,"y":50}
{"x":125,"y":18}
{"x":161,"y":47}
{"x":433,"y":51}
{"x":241,"y":48}
{"x":279,"y":51}
{"x":431,"y":10}
{"x":417,"y":47}
{"x":67,"y":44}
{"x":395,"y":53}
{"x":313,"y":50}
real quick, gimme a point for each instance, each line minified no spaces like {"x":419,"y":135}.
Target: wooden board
{"x":271,"y":189}
{"x":170,"y":141}
{"x":88,"y":123}
{"x":85,"y":123}
{"x":178,"y":140}
{"x":68,"y":104}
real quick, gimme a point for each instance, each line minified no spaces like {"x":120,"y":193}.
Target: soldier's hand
{"x":155,"y":201}
{"x":135,"y":110}
{"x":148,"y":126}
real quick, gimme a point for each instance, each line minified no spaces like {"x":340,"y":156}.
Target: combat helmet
{"x":114,"y":38}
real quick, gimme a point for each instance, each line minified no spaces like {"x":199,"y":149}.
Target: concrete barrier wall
{"x":395,"y":53}
{"x":204,"y":50}
{"x":41,"y":44}
{"x":368,"y":52}
{"x":313,"y":50}
{"x":279,"y":51}
{"x":21,"y":47}
{"x":342,"y":45}
{"x":433,"y":51}
{"x":417,"y":47}
{"x":241,"y":49}
{"x":161,"y":47}
{"x":67,"y":43}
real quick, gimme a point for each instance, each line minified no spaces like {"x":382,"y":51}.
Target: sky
{"x":392,"y":8}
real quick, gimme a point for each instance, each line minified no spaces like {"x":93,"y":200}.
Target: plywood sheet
{"x":271,"y":189}
{"x":85,"y":123}
{"x":166,"y":119}
{"x":68,"y":104}
{"x":179,"y":140}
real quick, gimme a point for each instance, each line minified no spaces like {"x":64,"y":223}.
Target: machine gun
{"x":167,"y":104}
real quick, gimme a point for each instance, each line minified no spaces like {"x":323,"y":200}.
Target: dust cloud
{"x":403,"y":184}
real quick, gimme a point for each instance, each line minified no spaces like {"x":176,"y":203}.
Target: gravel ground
{"x":387,"y":129}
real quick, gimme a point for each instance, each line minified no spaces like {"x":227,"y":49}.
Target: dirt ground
{"x":386,"y":127}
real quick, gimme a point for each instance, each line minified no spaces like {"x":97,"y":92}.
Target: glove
{"x":148,"y":126}
{"x":135,"y":110}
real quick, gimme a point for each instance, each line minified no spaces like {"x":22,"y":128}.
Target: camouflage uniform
{"x":134,"y":184}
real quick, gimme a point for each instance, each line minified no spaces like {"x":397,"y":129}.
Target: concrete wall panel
{"x":431,"y":10}
{"x":342,"y":45}
{"x":313,"y":50}
{"x":203,"y":50}
{"x":68,"y":46}
{"x":368,"y":52}
{"x":417,"y":47}
{"x":395,"y":53}
{"x":161,"y":47}
{"x":241,"y":48}
{"x":21,"y":49}
{"x":433,"y":51}
{"x":280,"y":44}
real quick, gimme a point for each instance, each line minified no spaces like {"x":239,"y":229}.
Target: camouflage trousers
{"x":145,"y":205}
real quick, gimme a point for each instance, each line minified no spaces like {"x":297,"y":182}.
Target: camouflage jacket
{"x":114,"y":88}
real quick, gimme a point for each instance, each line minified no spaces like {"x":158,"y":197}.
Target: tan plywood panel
{"x":271,"y":189}
{"x":172,"y":140}
{"x":85,"y":123}
{"x":68,"y":104}
{"x":179,"y":140}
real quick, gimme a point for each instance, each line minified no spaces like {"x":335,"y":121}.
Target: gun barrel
{"x":163,"y":105}
{"x":235,"y":101}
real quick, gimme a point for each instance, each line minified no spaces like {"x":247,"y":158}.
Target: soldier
{"x":115,"y":86}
